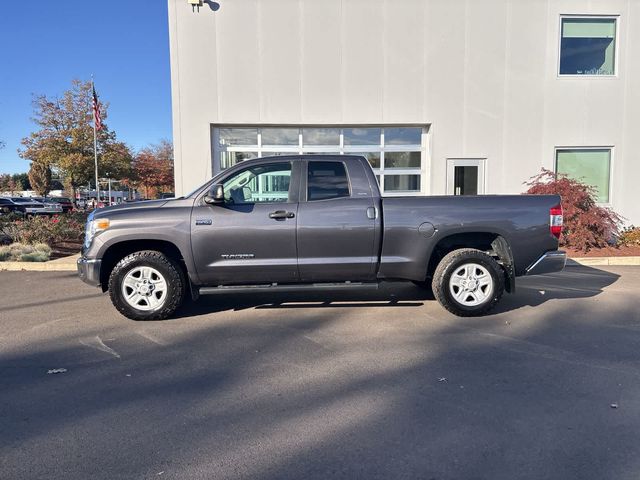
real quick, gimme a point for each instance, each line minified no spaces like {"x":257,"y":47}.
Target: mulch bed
{"x":626,"y":251}
{"x":65,"y":249}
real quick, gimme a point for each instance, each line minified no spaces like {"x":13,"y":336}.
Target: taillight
{"x":555,"y":220}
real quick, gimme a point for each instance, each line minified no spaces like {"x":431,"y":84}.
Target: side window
{"x":326,"y":180}
{"x":259,"y":184}
{"x":588,"y":46}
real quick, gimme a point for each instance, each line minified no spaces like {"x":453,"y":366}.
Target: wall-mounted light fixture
{"x":196,"y":4}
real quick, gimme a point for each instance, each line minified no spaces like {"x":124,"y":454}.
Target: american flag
{"x":97,"y":121}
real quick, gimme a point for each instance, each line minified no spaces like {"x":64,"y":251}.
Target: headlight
{"x":93,"y":227}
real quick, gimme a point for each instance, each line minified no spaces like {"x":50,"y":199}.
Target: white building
{"x":443,"y":96}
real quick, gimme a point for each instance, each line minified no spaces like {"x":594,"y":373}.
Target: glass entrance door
{"x":465,"y":176}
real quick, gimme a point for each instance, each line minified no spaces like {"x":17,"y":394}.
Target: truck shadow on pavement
{"x":576,"y":281}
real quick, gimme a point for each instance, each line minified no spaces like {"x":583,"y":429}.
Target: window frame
{"x":616,"y":53}
{"x":611,"y":149}
{"x":423,"y":148}
{"x":479,"y":162}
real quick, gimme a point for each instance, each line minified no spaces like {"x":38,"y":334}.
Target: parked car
{"x":320,"y":223}
{"x":9,"y":206}
{"x":65,"y":203}
{"x":35,"y":207}
{"x":52,"y":208}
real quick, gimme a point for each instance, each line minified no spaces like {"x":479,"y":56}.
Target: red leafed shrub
{"x":41,"y":229}
{"x":587,"y":225}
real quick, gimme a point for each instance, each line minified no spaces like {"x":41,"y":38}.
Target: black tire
{"x":171,"y":271}
{"x":452,"y":263}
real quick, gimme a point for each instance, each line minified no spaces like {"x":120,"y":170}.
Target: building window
{"x":588,"y":165}
{"x":396,"y":153}
{"x":588,"y":46}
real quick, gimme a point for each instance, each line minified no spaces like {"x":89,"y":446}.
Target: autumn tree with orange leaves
{"x":152,"y":170}
{"x":63,"y":141}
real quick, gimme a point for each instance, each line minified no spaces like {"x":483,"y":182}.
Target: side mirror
{"x":215,"y":194}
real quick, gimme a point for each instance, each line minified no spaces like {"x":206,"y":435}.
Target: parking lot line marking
{"x":98,"y":344}
{"x":151,"y":338}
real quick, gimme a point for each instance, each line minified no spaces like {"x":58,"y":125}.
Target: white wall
{"x":482,"y":73}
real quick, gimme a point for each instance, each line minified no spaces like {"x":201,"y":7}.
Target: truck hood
{"x":124,"y":207}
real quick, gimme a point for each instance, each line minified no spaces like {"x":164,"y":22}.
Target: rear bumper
{"x":550,"y":262}
{"x":89,"y":271}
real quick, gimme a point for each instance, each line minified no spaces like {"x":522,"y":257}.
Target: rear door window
{"x":326,"y":180}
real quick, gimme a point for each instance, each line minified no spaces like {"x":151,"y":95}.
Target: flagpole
{"x":95,"y":148}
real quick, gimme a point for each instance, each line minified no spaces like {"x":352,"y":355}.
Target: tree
{"x":5,"y":178}
{"x":22,"y":181}
{"x":40,"y":177}
{"x":64,"y":140}
{"x":8,"y":183}
{"x":152,"y":169}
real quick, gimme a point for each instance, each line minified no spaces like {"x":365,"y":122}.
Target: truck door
{"x":338,"y":222}
{"x":251,"y":237}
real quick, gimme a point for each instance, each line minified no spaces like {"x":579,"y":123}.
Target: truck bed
{"x":522,"y":220}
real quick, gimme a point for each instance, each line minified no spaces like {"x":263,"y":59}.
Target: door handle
{"x":281,"y":215}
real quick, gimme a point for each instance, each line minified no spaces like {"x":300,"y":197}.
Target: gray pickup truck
{"x":318,"y":222}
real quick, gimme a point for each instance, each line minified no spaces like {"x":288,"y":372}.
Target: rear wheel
{"x":147,"y":285}
{"x":468,"y":282}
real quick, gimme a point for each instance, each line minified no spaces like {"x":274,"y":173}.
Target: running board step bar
{"x":274,"y":287}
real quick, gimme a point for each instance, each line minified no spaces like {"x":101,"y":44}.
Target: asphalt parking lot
{"x":353,"y":385}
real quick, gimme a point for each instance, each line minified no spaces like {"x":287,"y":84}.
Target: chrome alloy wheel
{"x":471,"y":284}
{"x":144,"y":288}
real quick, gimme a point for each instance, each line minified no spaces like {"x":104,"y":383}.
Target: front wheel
{"x":468,"y":282}
{"x":147,"y":285}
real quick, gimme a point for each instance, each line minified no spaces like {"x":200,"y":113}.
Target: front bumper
{"x":89,"y":271}
{"x":550,"y":262}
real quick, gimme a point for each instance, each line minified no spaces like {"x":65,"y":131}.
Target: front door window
{"x":260,"y":184}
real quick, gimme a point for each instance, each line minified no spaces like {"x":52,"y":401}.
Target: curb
{"x":65,"y":264}
{"x":37,"y":267}
{"x":617,"y":261}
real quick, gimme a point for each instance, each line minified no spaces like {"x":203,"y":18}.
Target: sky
{"x":44,"y":44}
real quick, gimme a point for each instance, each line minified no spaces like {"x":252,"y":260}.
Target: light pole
{"x":109,"y":181}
